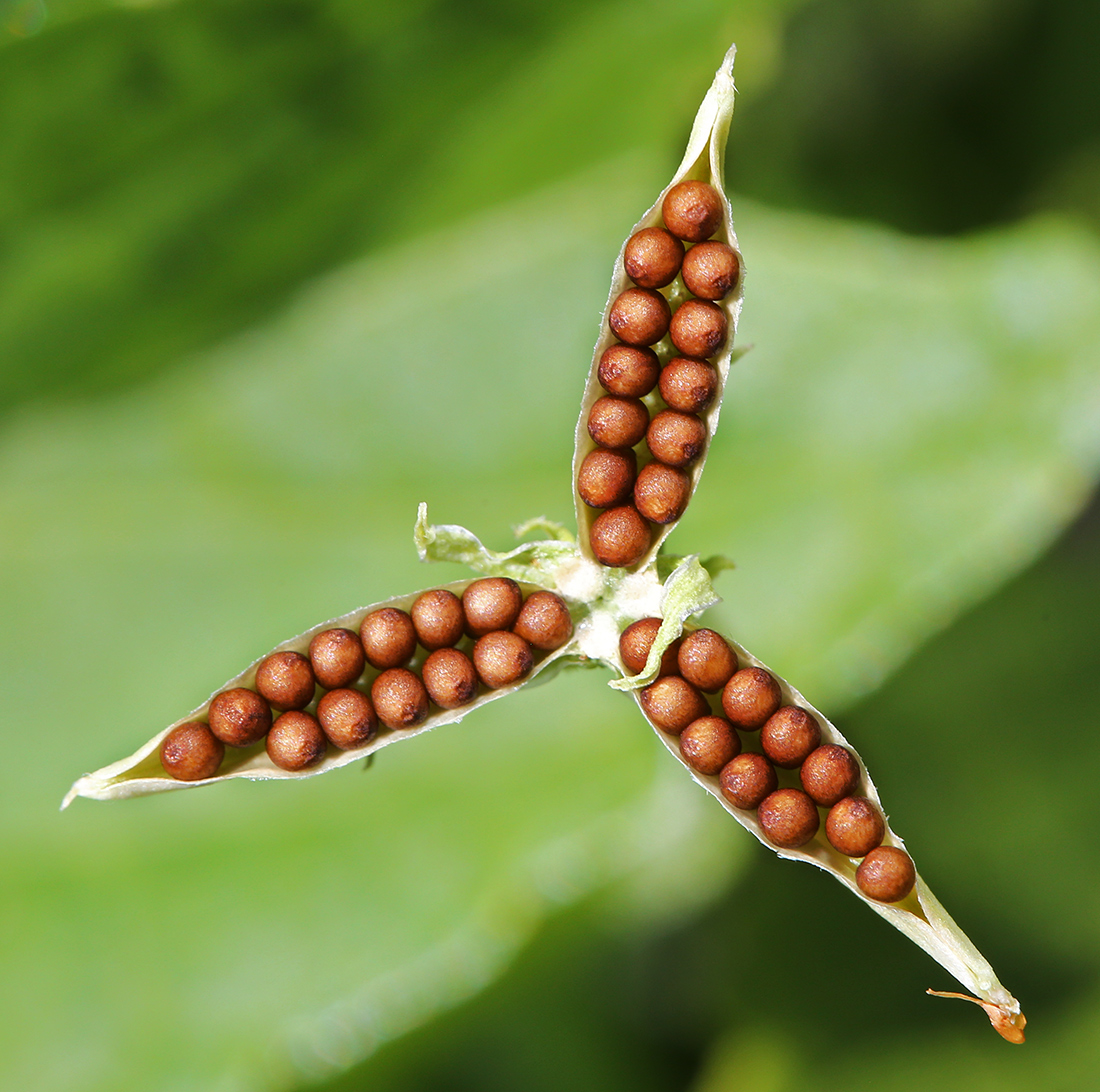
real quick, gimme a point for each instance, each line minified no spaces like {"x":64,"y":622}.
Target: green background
{"x":274,"y":271}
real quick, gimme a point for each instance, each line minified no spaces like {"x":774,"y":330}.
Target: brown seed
{"x":706,"y":660}
{"x":629,"y":370}
{"x":635,"y":642}
{"x":661,"y":493}
{"x":491,"y":603}
{"x":239,"y":717}
{"x":708,"y":744}
{"x":789,"y":736}
{"x":672,"y":703}
{"x":688,"y":385}
{"x":295,"y":741}
{"x":286,"y":680}
{"x":191,"y":752}
{"x":606,"y":478}
{"x":676,"y":438}
{"x":747,"y":780}
{"x":750,"y":697}
{"x":438,"y":619}
{"x":710,"y":270}
{"x":886,"y":874}
{"x":450,"y":678}
{"x":347,"y":718}
{"x":692,"y":210}
{"x":388,"y":636}
{"x":698,"y":328}
{"x":399,"y":698}
{"x":854,"y":826}
{"x":337,"y":657}
{"x":652,"y":257}
{"x":789,"y":818}
{"x":829,"y":774}
{"x":544,"y":621}
{"x":619,"y":536}
{"x":614,"y":421}
{"x":502,"y":658}
{"x":640,"y":316}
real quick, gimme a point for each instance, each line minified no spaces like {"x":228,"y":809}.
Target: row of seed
{"x":703,"y":663}
{"x":629,"y":370}
{"x":508,"y":633}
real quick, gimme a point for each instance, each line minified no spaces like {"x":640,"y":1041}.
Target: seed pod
{"x":661,"y":492}
{"x":692,"y":210}
{"x":640,"y":316}
{"x":789,"y":818}
{"x":618,"y":422}
{"x":347,"y":718}
{"x":239,"y":717}
{"x":502,"y":658}
{"x":750,"y":697}
{"x":544,"y":621}
{"x":628,"y":370}
{"x":887,"y":874}
{"x":389,"y":638}
{"x":191,"y":752}
{"x":789,"y":736}
{"x":652,"y":257}
{"x":710,"y":270}
{"x":747,"y":779}
{"x":337,"y":657}
{"x":706,"y":660}
{"x":636,"y":641}
{"x":829,"y":774}
{"x":285,"y":680}
{"x":688,"y":385}
{"x":698,"y":328}
{"x":491,"y":604}
{"x":672,"y":703}
{"x":295,"y":741}
{"x":854,"y":826}
{"x":450,"y":678}
{"x":399,"y":698}
{"x":438,"y":619}
{"x":676,"y":439}
{"x":620,"y":537}
{"x":709,"y":744}
{"x":606,"y":478}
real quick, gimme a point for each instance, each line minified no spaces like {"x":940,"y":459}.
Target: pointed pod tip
{"x":1008,"y":1024}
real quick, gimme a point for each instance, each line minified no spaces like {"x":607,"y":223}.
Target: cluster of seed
{"x":349,"y":684}
{"x":668,"y":325}
{"x":791,"y":780}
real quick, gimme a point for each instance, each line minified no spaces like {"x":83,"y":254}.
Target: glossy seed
{"x":640,"y":316}
{"x":710,"y":270}
{"x":285,"y":679}
{"x":672,"y":703}
{"x":635,"y":642}
{"x":886,"y":874}
{"x":450,"y":678}
{"x":747,"y":780}
{"x":688,"y":385}
{"x":829,"y":774}
{"x":692,"y":210}
{"x":347,"y":718}
{"x":706,"y":660}
{"x":698,"y":328}
{"x":191,"y":752}
{"x":399,"y":698}
{"x":438,"y":619}
{"x":628,"y":370}
{"x":661,"y":492}
{"x":491,"y":603}
{"x":789,"y":818}
{"x":544,"y":621}
{"x":239,"y":717}
{"x":676,"y":438}
{"x":606,"y":477}
{"x":337,"y":657}
{"x":789,"y":736}
{"x":709,"y":744}
{"x":502,"y":658}
{"x":652,"y":257}
{"x":296,"y":741}
{"x":619,"y":537}
{"x":750,"y":697}
{"x":389,"y":637}
{"x":854,"y":826}
{"x":615,"y":421}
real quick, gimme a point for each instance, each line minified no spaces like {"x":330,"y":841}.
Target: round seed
{"x":629,"y":370}
{"x":502,"y":658}
{"x":698,"y":328}
{"x":652,"y":257}
{"x":635,"y":642}
{"x":615,"y":421}
{"x":640,"y":316}
{"x":854,"y":826}
{"x":692,"y":210}
{"x":191,"y":752}
{"x":295,"y":741}
{"x":606,"y":478}
{"x":544,"y":621}
{"x":688,"y":385}
{"x":388,"y":636}
{"x":886,"y":874}
{"x":747,"y":779}
{"x":449,"y":678}
{"x":750,"y":697}
{"x":672,"y":703}
{"x":789,"y":736}
{"x":706,"y":660}
{"x":286,"y":680}
{"x":490,"y":604}
{"x":347,"y":718}
{"x":829,"y":774}
{"x":438,"y":619}
{"x":676,"y":438}
{"x":239,"y":717}
{"x":619,"y":536}
{"x":661,"y":493}
{"x":789,"y":818}
{"x":337,"y":657}
{"x":399,"y":698}
{"x":708,"y":744}
{"x":710,"y":270}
